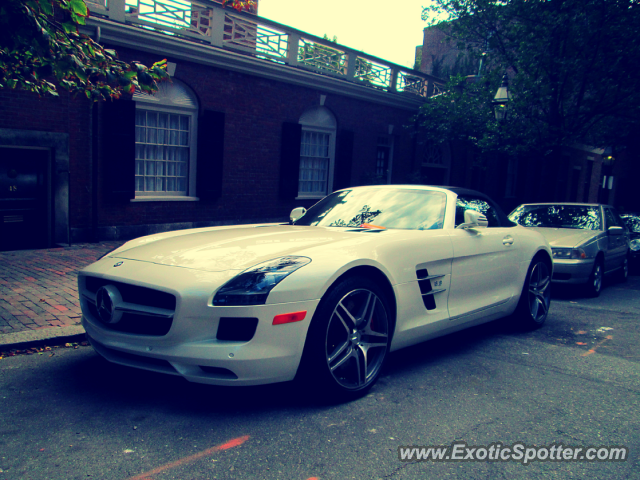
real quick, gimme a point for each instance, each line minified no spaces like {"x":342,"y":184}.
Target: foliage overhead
{"x":572,"y":68}
{"x":42,"y":48}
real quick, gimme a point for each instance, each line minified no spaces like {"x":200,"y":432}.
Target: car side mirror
{"x":297,"y":213}
{"x":615,"y":230}
{"x":473,"y":219}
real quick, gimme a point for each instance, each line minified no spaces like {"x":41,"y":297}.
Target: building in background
{"x":259,"y":118}
{"x":583,"y":173}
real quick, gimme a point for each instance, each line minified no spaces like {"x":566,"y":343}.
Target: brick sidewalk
{"x":38,"y":288}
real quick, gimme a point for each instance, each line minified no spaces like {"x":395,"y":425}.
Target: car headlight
{"x":568,"y":253}
{"x":252,"y":286}
{"x":635,"y":245}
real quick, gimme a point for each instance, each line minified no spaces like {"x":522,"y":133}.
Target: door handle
{"x":507,"y":241}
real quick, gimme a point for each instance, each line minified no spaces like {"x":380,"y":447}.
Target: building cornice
{"x":177,"y":49}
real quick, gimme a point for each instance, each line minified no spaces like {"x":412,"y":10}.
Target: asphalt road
{"x":68,"y":415}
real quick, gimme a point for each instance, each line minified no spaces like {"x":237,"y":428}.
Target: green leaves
{"x":40,"y":53}
{"x":572,"y":69}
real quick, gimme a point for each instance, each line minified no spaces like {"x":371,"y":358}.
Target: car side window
{"x":465,"y":202}
{"x":611,"y":219}
{"x":619,"y":220}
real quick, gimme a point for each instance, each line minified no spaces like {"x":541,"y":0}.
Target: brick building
{"x":255,"y":122}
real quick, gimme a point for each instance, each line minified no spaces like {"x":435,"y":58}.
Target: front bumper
{"x":572,"y":271}
{"x":191,"y":347}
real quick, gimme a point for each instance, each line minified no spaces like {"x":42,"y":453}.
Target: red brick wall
{"x":255,"y":109}
{"x":64,"y":114}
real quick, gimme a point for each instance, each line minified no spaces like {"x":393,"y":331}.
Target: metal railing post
{"x":393,"y":84}
{"x":352,"y":58}
{"x":217,"y":27}
{"x":293,"y":43}
{"x":116,"y":10}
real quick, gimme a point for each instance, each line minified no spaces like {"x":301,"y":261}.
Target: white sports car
{"x":363,"y":272}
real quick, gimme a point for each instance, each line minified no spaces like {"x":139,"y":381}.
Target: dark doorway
{"x":24,"y":222}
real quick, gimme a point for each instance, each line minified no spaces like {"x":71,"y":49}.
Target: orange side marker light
{"x":289,"y":317}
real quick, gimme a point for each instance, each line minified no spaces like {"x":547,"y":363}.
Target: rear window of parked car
{"x":586,"y":217}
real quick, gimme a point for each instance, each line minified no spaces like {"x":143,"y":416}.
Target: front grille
{"x":144,"y":311}
{"x":135,"y":294}
{"x":135,"y":323}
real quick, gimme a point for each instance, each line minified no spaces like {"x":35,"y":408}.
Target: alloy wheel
{"x":539,"y":292}
{"x":596,"y":277}
{"x":357,"y":339}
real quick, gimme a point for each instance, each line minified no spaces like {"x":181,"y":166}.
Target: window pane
{"x":162,"y":152}
{"x":314,"y":162}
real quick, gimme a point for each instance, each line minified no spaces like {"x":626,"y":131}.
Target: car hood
{"x":567,"y":237}
{"x":220,"y":249}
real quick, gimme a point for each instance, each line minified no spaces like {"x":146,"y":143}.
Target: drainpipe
{"x":93,"y":161}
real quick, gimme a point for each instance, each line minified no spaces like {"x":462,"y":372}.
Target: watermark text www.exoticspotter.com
{"x":516,"y":452}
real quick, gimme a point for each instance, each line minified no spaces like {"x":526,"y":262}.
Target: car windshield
{"x":558,"y":216}
{"x":632,"y":222}
{"x":378,"y":207}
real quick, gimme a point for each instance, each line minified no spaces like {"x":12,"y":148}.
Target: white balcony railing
{"x":205,"y":21}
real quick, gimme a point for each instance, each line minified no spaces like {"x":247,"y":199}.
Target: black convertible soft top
{"x":504,"y":220}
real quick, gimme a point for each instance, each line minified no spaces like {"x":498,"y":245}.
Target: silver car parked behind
{"x":587,"y":240}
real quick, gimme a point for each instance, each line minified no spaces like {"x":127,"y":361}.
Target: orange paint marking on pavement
{"x":593,"y":350}
{"x":236,"y":442}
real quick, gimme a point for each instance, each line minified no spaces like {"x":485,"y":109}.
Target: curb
{"x":38,"y":338}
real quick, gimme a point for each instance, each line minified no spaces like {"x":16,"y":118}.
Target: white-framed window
{"x":317,"y":153}
{"x":166,"y":127}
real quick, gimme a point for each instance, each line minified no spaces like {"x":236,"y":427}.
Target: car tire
{"x":348,"y":340}
{"x":535,"y":298}
{"x":594,"y":284}
{"x":623,"y":273}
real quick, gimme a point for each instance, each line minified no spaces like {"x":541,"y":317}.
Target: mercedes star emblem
{"x":107,"y":300}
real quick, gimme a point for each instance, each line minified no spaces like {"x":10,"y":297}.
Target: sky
{"x":389,"y":30}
